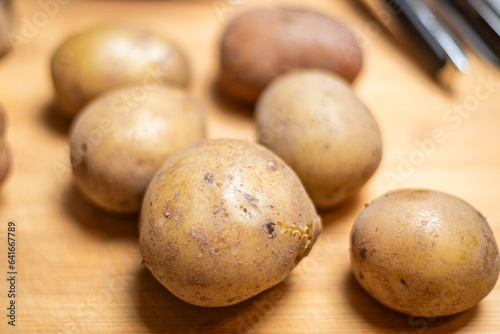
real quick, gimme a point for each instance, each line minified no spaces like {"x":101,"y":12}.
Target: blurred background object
{"x":432,"y":31}
{"x":476,"y":21}
{"x":5,"y":17}
{"x":422,"y":35}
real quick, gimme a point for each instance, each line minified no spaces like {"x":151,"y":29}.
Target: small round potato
{"x":223,"y":220}
{"x":4,"y":151}
{"x":313,"y":120}
{"x":424,"y":253}
{"x":109,"y":56}
{"x":261,"y":44}
{"x":121,"y":139}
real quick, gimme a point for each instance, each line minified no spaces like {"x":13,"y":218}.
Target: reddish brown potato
{"x":261,"y":44}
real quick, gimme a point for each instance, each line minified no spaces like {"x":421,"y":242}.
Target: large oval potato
{"x":109,"y":56}
{"x":424,"y":253}
{"x":223,"y":220}
{"x":117,"y":147}
{"x":313,"y":120}
{"x":261,"y":44}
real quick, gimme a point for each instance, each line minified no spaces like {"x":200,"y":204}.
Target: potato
{"x":121,"y":139}
{"x":5,"y":26}
{"x":4,"y":151}
{"x":109,"y":56}
{"x":261,"y":44}
{"x":223,"y":220}
{"x":424,"y":253}
{"x":313,"y":120}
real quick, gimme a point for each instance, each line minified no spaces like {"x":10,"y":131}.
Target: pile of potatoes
{"x":136,"y":145}
{"x":125,"y":88}
{"x":223,"y":219}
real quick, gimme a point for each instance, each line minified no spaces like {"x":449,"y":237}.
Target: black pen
{"x":428,"y":40}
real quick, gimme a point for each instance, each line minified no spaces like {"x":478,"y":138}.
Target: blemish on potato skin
{"x":252,"y":200}
{"x":220,"y":212}
{"x":271,"y":166}
{"x":197,"y":280}
{"x":172,"y":212}
{"x":248,"y":197}
{"x":197,"y":233}
{"x":479,"y":214}
{"x":488,"y":255}
{"x":209,"y":177}
{"x":362,"y":253}
{"x":270,"y":229}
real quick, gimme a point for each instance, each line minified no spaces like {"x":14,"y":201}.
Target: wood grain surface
{"x":79,"y":269}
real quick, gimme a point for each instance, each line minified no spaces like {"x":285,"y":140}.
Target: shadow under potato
{"x":162,"y":312}
{"x":227,"y":102}
{"x":382,"y":317}
{"x":351,"y":205}
{"x":96,"y":221}
{"x":55,"y":120}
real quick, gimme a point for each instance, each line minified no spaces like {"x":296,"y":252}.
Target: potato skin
{"x":4,"y":150}
{"x":116,"y":147}
{"x":261,"y":44}
{"x":424,"y":253}
{"x":223,"y":220}
{"x":109,"y":56}
{"x":313,"y":120}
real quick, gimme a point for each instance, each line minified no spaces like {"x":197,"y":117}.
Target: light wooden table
{"x":79,"y":269}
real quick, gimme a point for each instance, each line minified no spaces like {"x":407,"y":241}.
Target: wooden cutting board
{"x":79,"y":269}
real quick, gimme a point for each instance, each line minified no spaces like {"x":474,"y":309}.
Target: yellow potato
{"x":121,"y":139}
{"x":109,"y":56}
{"x":223,"y":220}
{"x":424,"y":253}
{"x":313,"y":120}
